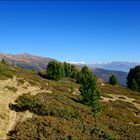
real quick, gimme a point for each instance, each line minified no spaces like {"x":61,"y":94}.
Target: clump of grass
{"x":32,"y":82}
{"x":136,"y":101}
{"x":122,"y":98}
{"x":119,"y":90}
{"x":8,"y":74}
{"x":124,"y":104}
{"x":101,"y":134}
{"x":20,"y":81}
{"x":13,"y":89}
{"x":5,"y":72}
{"x":107,"y":96}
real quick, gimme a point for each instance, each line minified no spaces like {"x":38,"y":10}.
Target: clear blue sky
{"x":72,"y":31}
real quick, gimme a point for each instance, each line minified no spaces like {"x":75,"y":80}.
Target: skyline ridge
{"x":80,"y":62}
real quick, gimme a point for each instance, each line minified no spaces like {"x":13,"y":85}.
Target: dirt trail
{"x":122,"y":98}
{"x":8,"y":118}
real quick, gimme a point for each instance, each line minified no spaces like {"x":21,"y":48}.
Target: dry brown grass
{"x":9,"y":91}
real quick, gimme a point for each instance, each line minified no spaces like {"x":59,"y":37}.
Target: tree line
{"x":57,"y":70}
{"x":84,"y":77}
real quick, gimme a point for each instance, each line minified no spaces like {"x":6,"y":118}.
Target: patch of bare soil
{"x":122,"y":98}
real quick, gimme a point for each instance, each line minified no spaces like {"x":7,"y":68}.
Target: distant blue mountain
{"x":116,"y":65}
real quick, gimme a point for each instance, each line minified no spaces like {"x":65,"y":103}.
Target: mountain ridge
{"x":116,"y":65}
{"x":26,"y":60}
{"x":38,"y":63}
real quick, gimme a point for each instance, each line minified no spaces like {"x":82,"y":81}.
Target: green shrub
{"x":25,"y":102}
{"x":5,"y":72}
{"x":32,"y":82}
{"x":36,"y":105}
{"x":101,"y":134}
{"x":20,"y":81}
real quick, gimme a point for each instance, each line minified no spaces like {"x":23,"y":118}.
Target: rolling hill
{"x":35,"y":108}
{"x":26,"y":61}
{"x":105,"y":74}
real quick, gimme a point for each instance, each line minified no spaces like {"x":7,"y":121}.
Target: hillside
{"x":46,"y":109}
{"x":26,"y":61}
{"x":31,"y":62}
{"x":105,"y":74}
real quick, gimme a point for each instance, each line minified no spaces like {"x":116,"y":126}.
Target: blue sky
{"x":72,"y":31}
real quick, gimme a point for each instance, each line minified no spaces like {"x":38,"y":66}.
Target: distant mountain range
{"x":103,"y":71}
{"x":116,"y":65}
{"x":27,"y":61}
{"x":105,"y":74}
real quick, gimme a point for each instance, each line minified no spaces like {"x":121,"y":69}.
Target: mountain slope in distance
{"x":116,"y":65}
{"x":27,"y":61}
{"x":105,"y":74}
{"x":31,"y":62}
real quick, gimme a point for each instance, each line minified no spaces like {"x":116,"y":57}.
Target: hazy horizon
{"x":74,"y":62}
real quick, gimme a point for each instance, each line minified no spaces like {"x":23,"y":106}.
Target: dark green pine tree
{"x":88,"y":88}
{"x":79,"y":77}
{"x":3,"y":61}
{"x":67,"y":69}
{"x":133,"y":79}
{"x":134,"y":85}
{"x":113,"y":80}
{"x":55,"y":70}
{"x":73,"y":72}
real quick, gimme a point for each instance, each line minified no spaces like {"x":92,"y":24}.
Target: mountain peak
{"x":116,"y":65}
{"x":26,"y":54}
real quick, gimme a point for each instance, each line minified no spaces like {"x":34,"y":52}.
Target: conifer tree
{"x":134,"y":85}
{"x":73,"y":72}
{"x":88,"y":88}
{"x":55,"y":70}
{"x":113,"y":80}
{"x":3,"y":61}
{"x":67,"y":69}
{"x":133,"y":79}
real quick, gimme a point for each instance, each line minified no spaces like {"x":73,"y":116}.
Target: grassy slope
{"x":60,"y":114}
{"x":121,"y":116}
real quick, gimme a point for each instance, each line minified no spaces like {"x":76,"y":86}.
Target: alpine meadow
{"x":70,"y":70}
